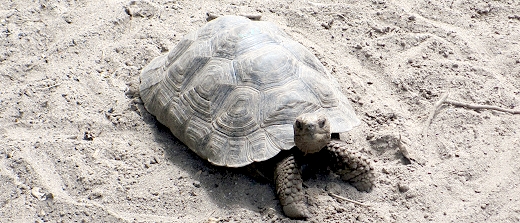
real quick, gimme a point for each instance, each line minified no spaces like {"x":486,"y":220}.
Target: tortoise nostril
{"x":322,"y":123}
{"x":310,"y":126}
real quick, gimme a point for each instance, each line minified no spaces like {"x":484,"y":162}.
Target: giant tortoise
{"x":238,"y":92}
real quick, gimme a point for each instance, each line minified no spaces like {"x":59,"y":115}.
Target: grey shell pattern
{"x":232,"y":90}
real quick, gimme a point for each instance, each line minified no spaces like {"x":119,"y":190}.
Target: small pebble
{"x":41,"y":213}
{"x":212,"y":220}
{"x":96,"y":194}
{"x":403,"y":188}
{"x":35,"y":191}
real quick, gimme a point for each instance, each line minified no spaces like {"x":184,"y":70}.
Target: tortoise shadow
{"x":228,"y":188}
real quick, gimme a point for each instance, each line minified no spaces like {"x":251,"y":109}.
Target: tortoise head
{"x":311,"y":132}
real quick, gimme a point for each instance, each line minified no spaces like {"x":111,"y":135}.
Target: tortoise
{"x":238,"y":92}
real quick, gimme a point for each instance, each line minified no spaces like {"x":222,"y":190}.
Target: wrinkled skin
{"x":311,"y":135}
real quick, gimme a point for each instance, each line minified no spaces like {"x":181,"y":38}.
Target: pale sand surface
{"x":77,"y":145}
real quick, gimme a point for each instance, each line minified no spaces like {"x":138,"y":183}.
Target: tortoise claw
{"x":296,"y":211}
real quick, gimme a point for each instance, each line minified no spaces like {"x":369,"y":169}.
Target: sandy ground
{"x":76,"y":143}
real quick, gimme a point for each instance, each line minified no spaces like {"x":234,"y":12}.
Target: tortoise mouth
{"x":311,"y":137}
{"x":311,"y":143}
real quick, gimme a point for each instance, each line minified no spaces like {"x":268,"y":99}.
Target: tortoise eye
{"x":298,"y":124}
{"x":322,"y":123}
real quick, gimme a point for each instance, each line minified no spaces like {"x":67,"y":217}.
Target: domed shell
{"x":232,"y":90}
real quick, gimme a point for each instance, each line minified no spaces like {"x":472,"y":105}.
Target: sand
{"x":76,"y":144}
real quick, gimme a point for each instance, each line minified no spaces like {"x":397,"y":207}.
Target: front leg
{"x":288,"y":182}
{"x":351,"y":165}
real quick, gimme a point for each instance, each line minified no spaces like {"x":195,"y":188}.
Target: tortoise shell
{"x":231,"y":91}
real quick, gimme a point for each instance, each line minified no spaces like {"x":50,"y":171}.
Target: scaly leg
{"x":351,"y":165}
{"x":288,"y":182}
